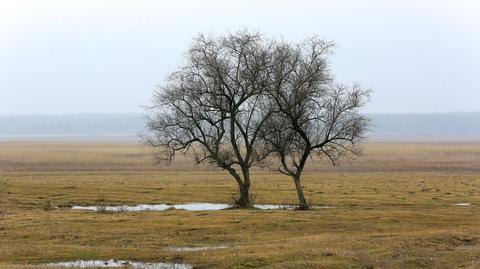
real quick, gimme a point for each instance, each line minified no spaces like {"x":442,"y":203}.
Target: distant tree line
{"x":72,"y":124}
{"x":429,"y":124}
{"x":420,"y":124}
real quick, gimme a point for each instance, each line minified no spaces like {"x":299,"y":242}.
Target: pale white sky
{"x":107,"y":55}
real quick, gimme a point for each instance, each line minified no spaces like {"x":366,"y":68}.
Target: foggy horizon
{"x":107,"y":57}
{"x":461,"y":125}
{"x":144,"y":113}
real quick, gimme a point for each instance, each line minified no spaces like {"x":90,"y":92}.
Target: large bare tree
{"x":214,"y":106}
{"x":311,"y":115}
{"x":240,"y":98}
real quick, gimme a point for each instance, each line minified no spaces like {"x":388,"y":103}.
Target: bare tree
{"x":240,"y":98}
{"x":214,"y":107}
{"x":311,"y":115}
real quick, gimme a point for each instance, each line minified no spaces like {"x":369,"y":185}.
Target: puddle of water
{"x":462,"y":204}
{"x":159,"y":207}
{"x":189,"y":207}
{"x":119,"y":263}
{"x":195,"y":248}
{"x":201,"y":206}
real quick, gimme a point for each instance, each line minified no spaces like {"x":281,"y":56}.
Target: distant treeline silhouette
{"x":71,"y":125}
{"x":431,"y":124}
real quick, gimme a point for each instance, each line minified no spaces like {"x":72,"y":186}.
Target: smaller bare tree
{"x":313,"y":117}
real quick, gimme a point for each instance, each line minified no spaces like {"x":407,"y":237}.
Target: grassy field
{"x":392,"y":208}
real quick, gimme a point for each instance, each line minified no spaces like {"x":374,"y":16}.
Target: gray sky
{"x":107,"y":56}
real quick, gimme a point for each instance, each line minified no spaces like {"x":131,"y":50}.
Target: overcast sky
{"x":107,"y":56}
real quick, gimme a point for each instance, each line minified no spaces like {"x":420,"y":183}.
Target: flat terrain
{"x":392,"y":208}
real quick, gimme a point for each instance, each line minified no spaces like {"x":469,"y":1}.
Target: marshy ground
{"x":391,"y":208}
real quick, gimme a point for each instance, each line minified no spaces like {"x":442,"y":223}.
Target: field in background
{"x":392,"y":209}
{"x":133,"y":156}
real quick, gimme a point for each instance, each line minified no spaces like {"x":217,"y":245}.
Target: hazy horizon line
{"x":139,"y":113}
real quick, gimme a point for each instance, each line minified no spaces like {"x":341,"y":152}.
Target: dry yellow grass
{"x":130,"y":156}
{"x":392,"y":209}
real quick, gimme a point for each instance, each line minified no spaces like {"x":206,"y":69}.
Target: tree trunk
{"x":244,"y":200}
{"x":302,"y":202}
{"x":243,"y":186}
